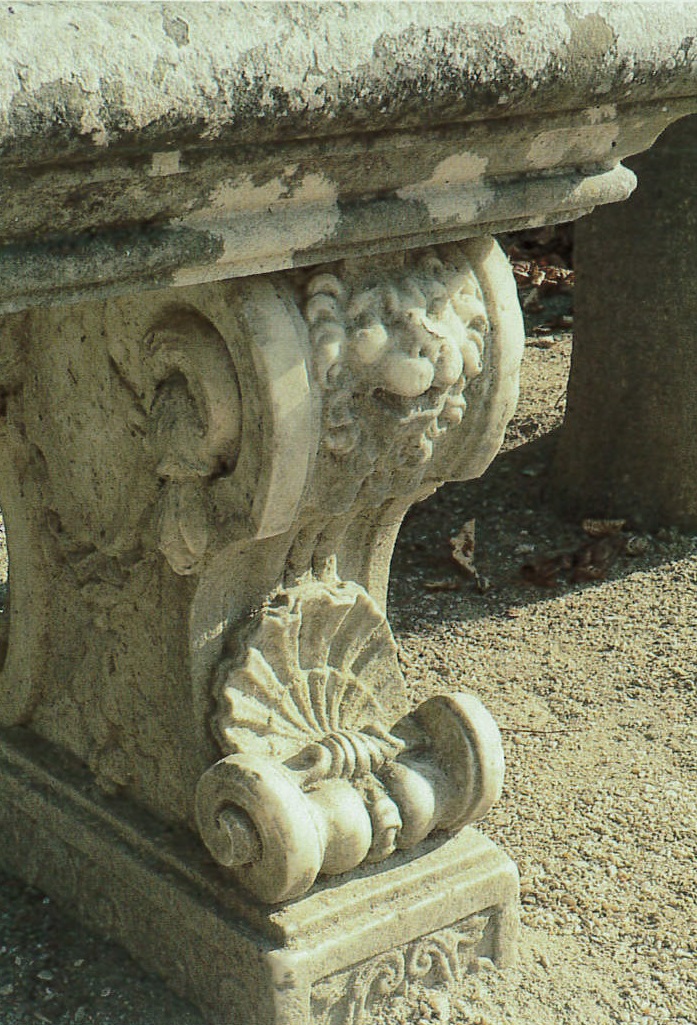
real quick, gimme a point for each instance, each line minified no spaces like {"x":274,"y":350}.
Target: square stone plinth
{"x":333,"y":957}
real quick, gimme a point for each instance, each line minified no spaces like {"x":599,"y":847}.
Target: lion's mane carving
{"x":407,"y":342}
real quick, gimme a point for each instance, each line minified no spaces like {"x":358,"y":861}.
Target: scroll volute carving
{"x":319,"y":778}
{"x":195,"y":430}
{"x":234,"y":425}
{"x":413,"y":358}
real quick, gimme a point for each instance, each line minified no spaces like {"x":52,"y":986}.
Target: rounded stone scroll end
{"x":256,"y":821}
{"x":277,"y":826}
{"x":466,"y":744}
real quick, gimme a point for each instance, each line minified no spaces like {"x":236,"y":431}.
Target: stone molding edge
{"x":113,"y":262}
{"x":206,"y":215}
{"x":79,"y":847}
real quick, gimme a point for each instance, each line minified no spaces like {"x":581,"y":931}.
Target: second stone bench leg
{"x":628,"y":447}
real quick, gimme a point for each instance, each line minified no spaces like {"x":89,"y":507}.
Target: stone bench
{"x":252,"y":310}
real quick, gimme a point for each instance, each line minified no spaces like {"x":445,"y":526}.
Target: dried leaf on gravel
{"x":602,"y":528}
{"x":592,"y":561}
{"x":533,"y":273}
{"x":463,"y":545}
{"x":442,"y":585}
{"x":545,"y":569}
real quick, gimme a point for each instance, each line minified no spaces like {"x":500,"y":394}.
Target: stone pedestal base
{"x":331,"y":957}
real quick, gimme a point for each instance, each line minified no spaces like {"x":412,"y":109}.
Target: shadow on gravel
{"x":53,"y":970}
{"x":515,"y":525}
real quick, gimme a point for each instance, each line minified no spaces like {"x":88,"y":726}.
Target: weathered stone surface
{"x":237,"y":140}
{"x":242,"y":334}
{"x":80,"y":78}
{"x":628,"y":447}
{"x":227,"y":449}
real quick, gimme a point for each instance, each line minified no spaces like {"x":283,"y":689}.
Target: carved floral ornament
{"x":440,"y":959}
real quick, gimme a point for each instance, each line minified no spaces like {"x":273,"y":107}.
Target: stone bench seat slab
{"x":234,"y":142}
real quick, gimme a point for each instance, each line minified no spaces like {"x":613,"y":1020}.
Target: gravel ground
{"x":593,"y":686}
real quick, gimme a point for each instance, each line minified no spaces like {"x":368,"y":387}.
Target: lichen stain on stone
{"x":560,"y":146}
{"x":592,"y":37}
{"x":159,"y":72}
{"x":601,"y":114}
{"x":455,"y":190}
{"x":166,"y":163}
{"x":175,"y":27}
{"x":93,"y":126}
{"x":58,"y":105}
{"x":255,"y":222}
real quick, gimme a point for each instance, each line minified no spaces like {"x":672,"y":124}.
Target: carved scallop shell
{"x":308,"y":669}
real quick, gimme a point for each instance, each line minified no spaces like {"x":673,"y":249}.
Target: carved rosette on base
{"x":401,"y":372}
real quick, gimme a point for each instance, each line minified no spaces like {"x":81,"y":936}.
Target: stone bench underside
{"x":242,"y":333}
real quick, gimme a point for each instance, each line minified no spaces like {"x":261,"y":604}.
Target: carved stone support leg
{"x":203,"y":514}
{"x":628,"y":447}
